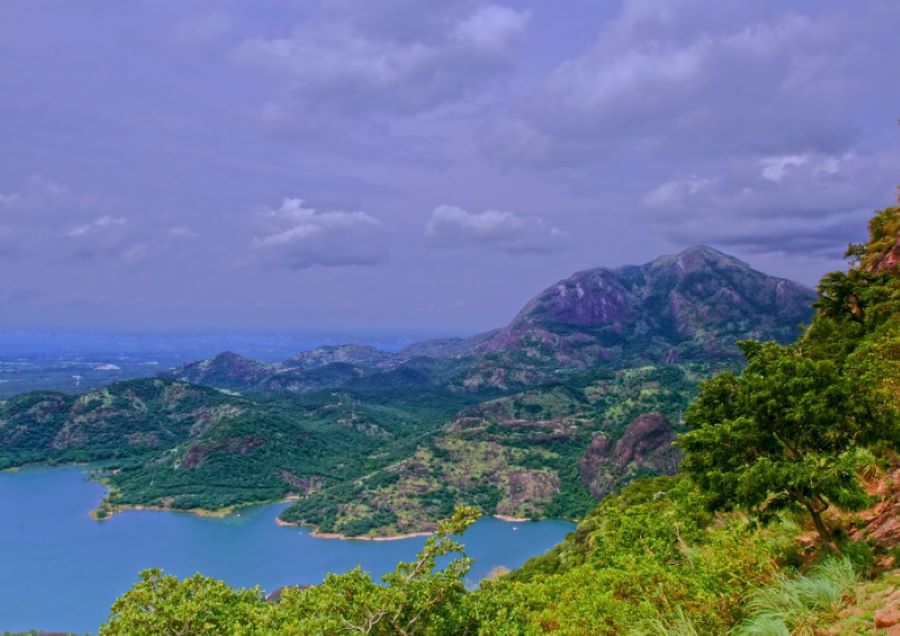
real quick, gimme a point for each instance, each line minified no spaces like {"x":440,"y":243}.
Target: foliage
{"x":161,"y":604}
{"x":794,"y":427}
{"x":789,"y":430}
{"x":791,"y":604}
{"x":418,"y":597}
{"x":638,"y":558}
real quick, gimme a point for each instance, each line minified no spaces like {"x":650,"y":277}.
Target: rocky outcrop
{"x":528,"y":493}
{"x":645,"y":448}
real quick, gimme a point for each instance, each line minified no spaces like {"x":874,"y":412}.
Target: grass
{"x":793,"y":604}
{"x":789,"y":606}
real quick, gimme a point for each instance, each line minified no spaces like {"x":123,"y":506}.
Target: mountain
{"x":354,"y":354}
{"x":688,"y":307}
{"x":124,"y":419}
{"x":227,"y":370}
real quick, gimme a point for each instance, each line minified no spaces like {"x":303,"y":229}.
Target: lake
{"x":61,"y":570}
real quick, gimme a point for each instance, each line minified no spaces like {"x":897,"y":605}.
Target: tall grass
{"x":680,"y":625}
{"x":790,"y":605}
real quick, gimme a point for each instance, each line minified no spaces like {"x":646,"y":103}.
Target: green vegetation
{"x":724,"y":546}
{"x":791,"y":604}
{"x":516,"y":455}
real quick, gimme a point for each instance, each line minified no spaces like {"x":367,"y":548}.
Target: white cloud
{"x":37,"y":192}
{"x":492,"y":28}
{"x":454,"y":227}
{"x":297,"y":236}
{"x":98,"y":224}
{"x":675,"y":191}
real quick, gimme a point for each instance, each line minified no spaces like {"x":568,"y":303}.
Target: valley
{"x":583,"y":391}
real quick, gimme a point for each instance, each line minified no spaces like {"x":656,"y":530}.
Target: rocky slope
{"x":691,"y":306}
{"x":645,"y":448}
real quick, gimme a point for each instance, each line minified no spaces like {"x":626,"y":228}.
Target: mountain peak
{"x":698,"y":256}
{"x":692,"y":305}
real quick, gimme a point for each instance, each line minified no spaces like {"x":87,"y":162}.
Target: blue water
{"x":61,"y":570}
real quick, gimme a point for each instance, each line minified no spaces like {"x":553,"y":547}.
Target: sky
{"x":170,"y":165}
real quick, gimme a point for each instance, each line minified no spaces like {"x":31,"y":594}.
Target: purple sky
{"x":374,"y":164}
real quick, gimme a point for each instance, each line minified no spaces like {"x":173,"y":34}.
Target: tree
{"x":418,"y":597}
{"x":789,"y":431}
{"x":161,"y":604}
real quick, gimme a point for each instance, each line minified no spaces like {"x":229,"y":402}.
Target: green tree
{"x":790,"y":430}
{"x":162,"y":604}
{"x":418,"y":597}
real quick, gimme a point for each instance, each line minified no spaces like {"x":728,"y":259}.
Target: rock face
{"x":644,"y":448}
{"x":691,"y":306}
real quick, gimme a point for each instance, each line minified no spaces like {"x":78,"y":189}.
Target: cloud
{"x":353,"y":63}
{"x":38,"y":194}
{"x":691,"y":78}
{"x":454,"y":227}
{"x":24,"y":295}
{"x":97,"y":225}
{"x":812,"y":203}
{"x":105,"y":237}
{"x":298,"y":236}
{"x":45,"y":220}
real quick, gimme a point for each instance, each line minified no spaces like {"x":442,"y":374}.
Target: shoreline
{"x":111,"y":510}
{"x":200,"y":512}
{"x":343,"y":537}
{"x":508,"y":519}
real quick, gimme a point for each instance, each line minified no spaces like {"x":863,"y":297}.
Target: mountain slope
{"x":691,"y":306}
{"x":227,"y":370}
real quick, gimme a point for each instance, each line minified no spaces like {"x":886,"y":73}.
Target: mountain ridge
{"x":692,"y":305}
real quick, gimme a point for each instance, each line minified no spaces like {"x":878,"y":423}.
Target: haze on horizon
{"x":389,"y":164}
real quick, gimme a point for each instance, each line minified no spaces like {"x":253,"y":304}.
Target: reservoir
{"x":60,"y":570}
